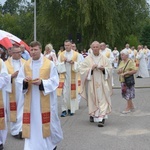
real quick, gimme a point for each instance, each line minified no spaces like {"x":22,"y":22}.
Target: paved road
{"x":121,"y":132}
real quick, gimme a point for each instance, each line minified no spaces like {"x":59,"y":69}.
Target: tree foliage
{"x":114,"y":22}
{"x":145,"y":36}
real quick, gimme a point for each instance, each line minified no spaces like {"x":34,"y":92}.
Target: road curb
{"x":136,"y":87}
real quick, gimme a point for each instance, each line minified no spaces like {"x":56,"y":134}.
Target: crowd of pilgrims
{"x":9,"y":61}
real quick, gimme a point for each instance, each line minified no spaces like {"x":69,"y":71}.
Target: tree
{"x":145,"y":36}
{"x":12,"y":6}
{"x":114,"y":22}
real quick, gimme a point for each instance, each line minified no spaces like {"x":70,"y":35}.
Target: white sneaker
{"x":126,"y":111}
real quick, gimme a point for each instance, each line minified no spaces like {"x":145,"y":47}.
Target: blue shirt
{"x":25,"y":55}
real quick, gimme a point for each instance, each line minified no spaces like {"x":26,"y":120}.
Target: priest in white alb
{"x":96,"y":77}
{"x":143,"y":68}
{"x":13,"y":92}
{"x":39,"y":79}
{"x":3,"y":118}
{"x":67,"y":91}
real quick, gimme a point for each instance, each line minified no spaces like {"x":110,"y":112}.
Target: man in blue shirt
{"x":25,"y":54}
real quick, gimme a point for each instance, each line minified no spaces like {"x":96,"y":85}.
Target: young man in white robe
{"x":143,"y":68}
{"x":3,"y":118}
{"x":96,"y":77}
{"x":38,"y":78}
{"x":67,"y":91}
{"x":13,"y":92}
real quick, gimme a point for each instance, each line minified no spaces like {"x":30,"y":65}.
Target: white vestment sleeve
{"x":139,"y":55}
{"x":117,"y":54}
{"x":52,"y":83}
{"x":89,"y":75}
{"x":76,"y":64}
{"x":3,"y":80}
{"x":61,"y":68}
{"x":20,"y":78}
{"x":4,"y":75}
{"x":9,"y":86}
{"x":75,"y":67}
{"x":112,"y":58}
{"x":106,"y":74}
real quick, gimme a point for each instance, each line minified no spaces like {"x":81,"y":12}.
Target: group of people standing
{"x":141,"y":57}
{"x":31,"y":85}
{"x":29,"y":99}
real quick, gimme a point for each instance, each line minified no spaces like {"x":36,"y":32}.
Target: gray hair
{"x":124,"y":51}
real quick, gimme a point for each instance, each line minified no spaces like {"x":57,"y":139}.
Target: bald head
{"x":139,"y":47}
{"x":102,"y":46}
{"x":95,"y":46}
{"x":127,"y":45}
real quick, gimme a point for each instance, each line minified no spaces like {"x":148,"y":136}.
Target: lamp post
{"x":34,"y":20}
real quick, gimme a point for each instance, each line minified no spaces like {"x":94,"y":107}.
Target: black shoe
{"x":18,"y":136}
{"x":1,"y":147}
{"x":138,"y":77}
{"x":63,"y":114}
{"x":69,"y":112}
{"x":55,"y":148}
{"x":101,"y":124}
{"x":91,"y":119}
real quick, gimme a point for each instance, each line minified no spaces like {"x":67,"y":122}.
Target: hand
{"x":120,"y":71}
{"x":94,"y":66}
{"x":124,"y":74}
{"x":27,"y":79}
{"x":50,"y":58}
{"x":36,"y":81}
{"x":71,"y":62}
{"x":101,"y":68}
{"x":14,"y":75}
{"x":65,"y":59}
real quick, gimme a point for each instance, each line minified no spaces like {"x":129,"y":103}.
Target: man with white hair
{"x":131,"y":53}
{"x":95,"y":73}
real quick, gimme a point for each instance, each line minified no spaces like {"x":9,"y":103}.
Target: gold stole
{"x":12,"y":97}
{"x":73,"y":77}
{"x":137,"y":63}
{"x":2,"y":112}
{"x":79,"y":82}
{"x":135,"y":52}
{"x":129,"y":51}
{"x":45,"y":101}
{"x":107,"y":54}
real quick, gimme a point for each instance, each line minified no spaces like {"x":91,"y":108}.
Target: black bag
{"x":129,"y":81}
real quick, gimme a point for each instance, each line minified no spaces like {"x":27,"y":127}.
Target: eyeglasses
{"x":17,"y":52}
